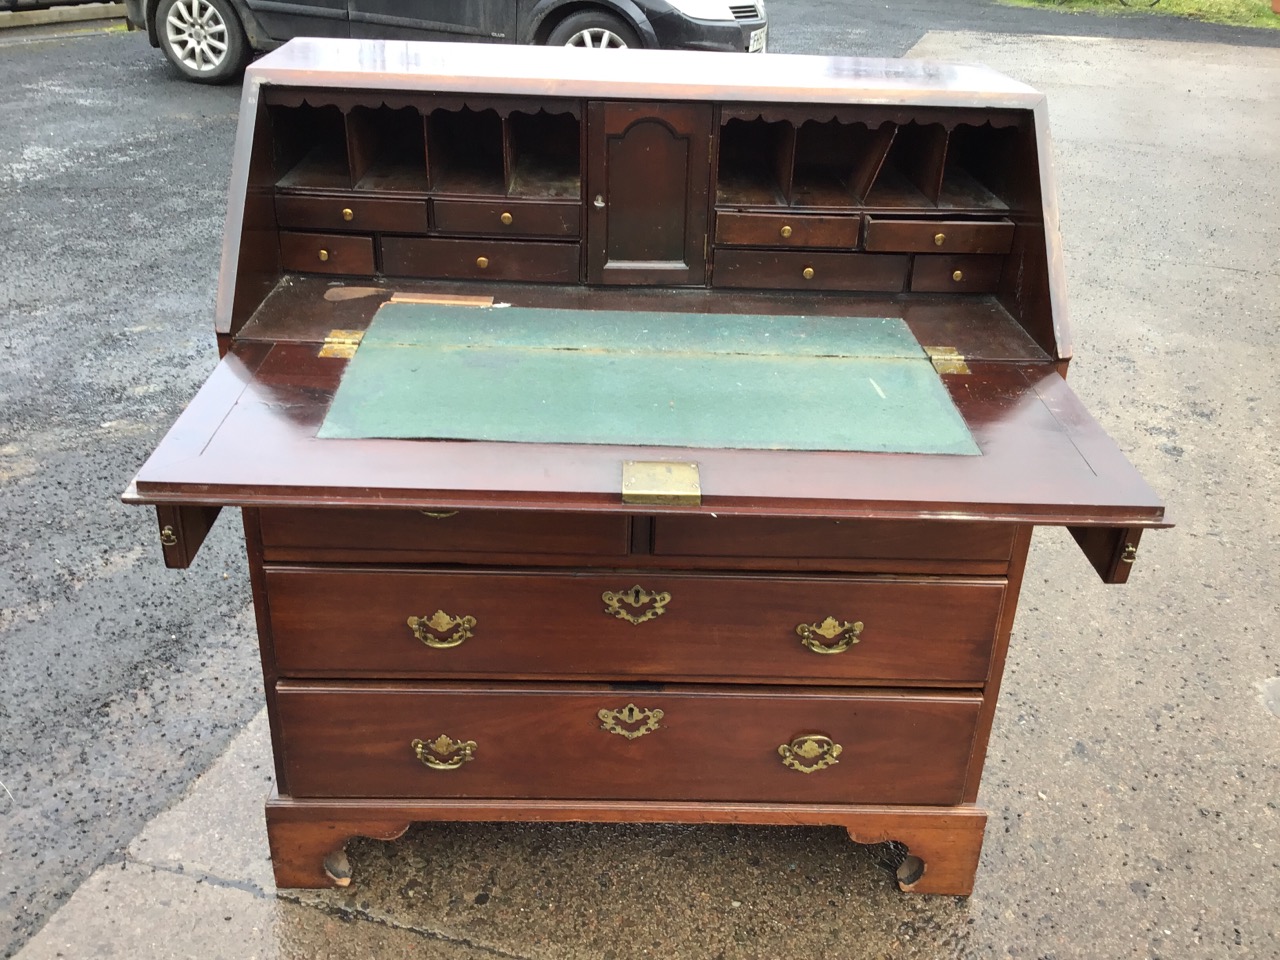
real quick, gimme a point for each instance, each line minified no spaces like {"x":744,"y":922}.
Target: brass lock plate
{"x":661,"y":482}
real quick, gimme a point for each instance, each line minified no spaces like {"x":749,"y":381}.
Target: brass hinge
{"x":661,"y":482}
{"x":341,"y":343}
{"x":947,"y":359}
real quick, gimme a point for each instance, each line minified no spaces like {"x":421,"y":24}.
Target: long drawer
{"x":405,"y":536}
{"x":809,"y":270}
{"x":352,"y":213}
{"x":533,"y":261}
{"x":787,"y":230}
{"x":632,"y":626}
{"x":939,"y":236}
{"x":382,"y":740}
{"x":508,"y":218}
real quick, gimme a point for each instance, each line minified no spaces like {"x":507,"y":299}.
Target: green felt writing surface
{"x":610,"y":377}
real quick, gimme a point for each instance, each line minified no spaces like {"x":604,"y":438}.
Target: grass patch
{"x":1236,"y":13}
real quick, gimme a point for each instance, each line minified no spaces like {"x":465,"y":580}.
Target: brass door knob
{"x":506,"y":219}
{"x":482,"y":262}
{"x":785,"y":232}
{"x":807,"y":273}
{"x":347,"y":214}
{"x":323,"y":255}
{"x":958,"y":276}
{"x":939,"y":239}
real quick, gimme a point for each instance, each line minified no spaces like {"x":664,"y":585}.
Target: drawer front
{"x":939,"y":236}
{"x":797,"y":270}
{"x":480,"y":259}
{"x":359,"y":741}
{"x":632,"y":625}
{"x":831,"y":539}
{"x":508,"y":218}
{"x":326,"y":253}
{"x":408,"y":536}
{"x":781,"y":230}
{"x":959,"y":274}
{"x":351,"y":213}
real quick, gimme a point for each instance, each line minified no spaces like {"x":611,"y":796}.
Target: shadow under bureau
{"x":464,"y":628}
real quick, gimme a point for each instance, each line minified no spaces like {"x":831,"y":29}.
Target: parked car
{"x":210,"y":41}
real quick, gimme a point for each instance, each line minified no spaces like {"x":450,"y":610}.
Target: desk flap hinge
{"x":341,"y":343}
{"x":661,"y":482}
{"x":947,"y":359}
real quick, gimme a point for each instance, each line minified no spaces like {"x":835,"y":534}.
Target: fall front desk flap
{"x":734,"y":381}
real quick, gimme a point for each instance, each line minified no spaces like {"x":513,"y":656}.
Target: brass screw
{"x":506,"y":219}
{"x":482,"y":262}
{"x":939,"y":239}
{"x":347,"y":214}
{"x":958,"y":276}
{"x":785,"y":231}
{"x":807,"y":273}
{"x":324,"y":255}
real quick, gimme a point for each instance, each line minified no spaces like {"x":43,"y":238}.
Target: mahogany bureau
{"x":458,"y":629}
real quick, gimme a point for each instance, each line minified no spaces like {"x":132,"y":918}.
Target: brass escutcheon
{"x":506,"y":219}
{"x":323,"y":255}
{"x":958,"y":276}
{"x":807,"y":273}
{"x":785,"y":232}
{"x":845,"y":634}
{"x":167,"y":537}
{"x":347,"y":214}
{"x":939,"y":239}
{"x":427,"y":630}
{"x":482,"y":262}
{"x":810,"y":753}
{"x":624,"y":722}
{"x":443,"y":753}
{"x":635,"y":598}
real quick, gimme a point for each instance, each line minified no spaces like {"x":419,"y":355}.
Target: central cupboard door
{"x":647,"y":183}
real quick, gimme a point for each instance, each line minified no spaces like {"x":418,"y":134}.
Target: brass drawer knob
{"x":482,"y":262}
{"x":939,"y":239}
{"x":441,"y":631}
{"x":506,"y":219}
{"x":347,"y":214}
{"x":323,"y":255}
{"x":807,"y":273}
{"x":958,"y":276}
{"x":630,"y":721}
{"x":654,"y":604}
{"x":444,"y":753}
{"x":829,"y":636}
{"x":785,"y":232}
{"x":810,"y":753}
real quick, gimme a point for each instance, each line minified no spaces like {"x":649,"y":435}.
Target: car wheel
{"x":202,"y":38}
{"x":599,"y":31}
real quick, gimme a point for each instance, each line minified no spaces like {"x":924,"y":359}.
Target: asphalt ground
{"x":123,"y":681}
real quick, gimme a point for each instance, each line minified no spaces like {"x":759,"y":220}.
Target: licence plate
{"x":758,"y":39}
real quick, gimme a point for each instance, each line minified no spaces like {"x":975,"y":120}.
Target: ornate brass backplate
{"x":635,"y":598}
{"x":427,"y":629}
{"x":443,"y":753}
{"x":810,"y":753}
{"x":630,"y":722}
{"x":844,"y":634}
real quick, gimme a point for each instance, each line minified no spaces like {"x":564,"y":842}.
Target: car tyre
{"x":595,"y":29}
{"x":202,"y":38}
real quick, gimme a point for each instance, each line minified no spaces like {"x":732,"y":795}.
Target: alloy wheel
{"x":597,"y":38}
{"x":197,"y":34}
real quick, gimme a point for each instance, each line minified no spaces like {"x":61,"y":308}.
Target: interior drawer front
{"x":326,"y":253}
{"x":939,"y":236}
{"x":798,"y":270}
{"x":782,"y":230}
{"x":408,"y":536}
{"x":812,"y":538}
{"x":351,"y":213}
{"x":637,"y":626}
{"x":508,"y":218}
{"x":959,"y":274}
{"x":480,"y":259}
{"x":359,"y":741}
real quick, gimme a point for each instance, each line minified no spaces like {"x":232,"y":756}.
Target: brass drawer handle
{"x":845,"y":634}
{"x":348,"y":214}
{"x":631,"y":721}
{"x":170,"y":539}
{"x":428,"y":630}
{"x":482,"y":262}
{"x":810,"y":753}
{"x":939,"y":239}
{"x":635,"y":598}
{"x":323,"y":255}
{"x":807,"y":273}
{"x":785,"y":232}
{"x":1129,"y":556}
{"x":958,"y":276}
{"x":442,"y":753}
{"x":505,"y":218}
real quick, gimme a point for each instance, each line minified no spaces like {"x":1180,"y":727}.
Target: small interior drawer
{"x":352,"y":213}
{"x":933,"y":273}
{"x":785,"y":230}
{"x":502,"y":218}
{"x":803,"y":270}
{"x":326,"y":253}
{"x":543,"y":262}
{"x":938,"y":236}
